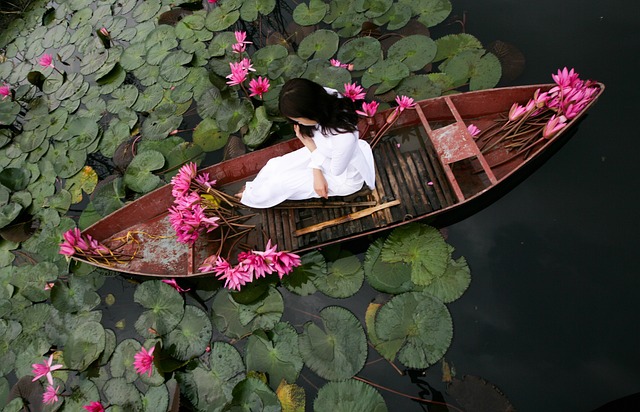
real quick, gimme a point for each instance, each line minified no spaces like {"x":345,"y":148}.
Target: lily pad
{"x":209,"y":387}
{"x":121,"y":365}
{"x":419,"y":87}
{"x":208,"y":136}
{"x":253,"y":391}
{"x":76,"y":295}
{"x":164,"y":308}
{"x":338,"y":350}
{"x":307,"y":15}
{"x":300,"y":281}
{"x":350,"y":395}
{"x":93,"y":61}
{"x":396,"y":17}
{"x":362,"y":52}
{"x":172,"y":67}
{"x":107,"y":196}
{"x":452,"y":44}
{"x":121,"y":393}
{"x":84,"y":346}
{"x":415,"y":51}
{"x":344,"y":277}
{"x":321,"y":44}
{"x":266,"y":56}
{"x":431,"y":12}
{"x":123,"y":97}
{"x":275,"y":353}
{"x":386,"y":277}
{"x":191,"y":336}
{"x":149,"y":98}
{"x":461,"y":66}
{"x":419,"y":324}
{"x":485,"y":73}
{"x":421,"y":246}
{"x":220,"y":18}
{"x":158,"y":125}
{"x":235,"y":320}
{"x":453,"y":283}
{"x":233,"y":114}
{"x":259,"y":128}
{"x":386,"y":73}
{"x":373,"y":8}
{"x":133,"y":56}
{"x":146,"y":10}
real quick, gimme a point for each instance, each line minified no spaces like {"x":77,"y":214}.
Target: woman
{"x":333,"y":161}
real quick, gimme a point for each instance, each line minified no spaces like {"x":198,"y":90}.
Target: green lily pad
{"x":386,"y":73}
{"x":300,"y":281}
{"x":156,"y":399}
{"x":453,"y":283}
{"x":485,"y":73}
{"x":321,"y":44}
{"x":133,"y":56}
{"x":233,"y":114}
{"x":307,"y":15}
{"x":8,"y":112}
{"x":396,"y":17}
{"x":112,"y":80}
{"x":275,"y":353}
{"x":386,"y":277}
{"x":373,"y":8}
{"x":338,"y":350}
{"x":421,"y":326}
{"x":415,"y":51}
{"x":235,"y":320}
{"x":121,"y":393}
{"x":344,"y":277}
{"x":431,"y":12}
{"x":421,"y":246}
{"x":146,"y":10}
{"x":220,"y":18}
{"x":83,"y":131}
{"x":84,"y":392}
{"x":71,"y":88}
{"x":253,"y":391}
{"x":350,"y":395}
{"x":14,"y":178}
{"x":349,"y":25}
{"x":117,"y":133}
{"x":165,"y":308}
{"x":123,"y":97}
{"x":191,"y":336}
{"x":74,"y":296}
{"x":259,"y":128}
{"x":158,"y":125}
{"x":121,"y":365}
{"x":266,"y":56}
{"x":327,"y":75}
{"x":208,"y":136}
{"x":452,"y":44}
{"x":93,"y":61}
{"x":107,"y":196}
{"x":149,"y":98}
{"x":84,"y":346}
{"x":172,"y":67}
{"x":419,"y":87}
{"x":288,"y":68}
{"x":221,"y":44}
{"x":460,"y":67}
{"x":209,"y":387}
{"x":362,"y":52}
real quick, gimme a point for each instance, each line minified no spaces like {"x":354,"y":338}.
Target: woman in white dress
{"x":333,"y":161}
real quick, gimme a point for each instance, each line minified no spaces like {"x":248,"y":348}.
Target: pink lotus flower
{"x":555,"y":124}
{"x":5,"y":91}
{"x":212,"y":1}
{"x":518,"y":111}
{"x":354,"y":91}
{"x":49,"y":285}
{"x":234,"y":277}
{"x":259,"y":86}
{"x":94,"y":407}
{"x":473,"y":130}
{"x":46,"y":61}
{"x":256,"y":263}
{"x":241,"y":43}
{"x":75,"y":242}
{"x":368,"y":109}
{"x":404,"y":102}
{"x":44,"y":369}
{"x":105,"y":32}
{"x":205,"y":181}
{"x":565,"y":78}
{"x":238,"y":73}
{"x":338,"y":63}
{"x":208,"y":264}
{"x":143,"y":361}
{"x":182,"y":181}
{"x":284,"y":263}
{"x":174,"y":284}
{"x":50,"y":394}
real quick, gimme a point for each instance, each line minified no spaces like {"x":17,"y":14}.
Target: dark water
{"x":552,"y":316}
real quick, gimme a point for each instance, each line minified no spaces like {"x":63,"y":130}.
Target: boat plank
{"x":419,"y":184}
{"x":396,"y":180}
{"x":429,"y":191}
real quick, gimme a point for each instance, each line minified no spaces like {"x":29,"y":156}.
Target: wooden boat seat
{"x":452,"y":144}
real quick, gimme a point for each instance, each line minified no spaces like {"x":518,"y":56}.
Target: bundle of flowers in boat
{"x":544,"y":115}
{"x":76,"y":244}
{"x":199,"y":208}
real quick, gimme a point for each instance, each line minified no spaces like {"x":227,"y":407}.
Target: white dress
{"x":345,"y":160}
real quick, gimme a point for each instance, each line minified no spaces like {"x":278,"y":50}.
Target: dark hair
{"x":304,"y":98}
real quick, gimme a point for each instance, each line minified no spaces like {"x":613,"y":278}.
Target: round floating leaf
{"x":76,"y":295}
{"x":71,"y":87}
{"x":452,"y":284}
{"x":112,"y":80}
{"x":165,"y":308}
{"x":266,"y":56}
{"x":452,"y":44}
{"x":107,"y":196}
{"x":373,"y":8}
{"x":300,"y":281}
{"x":149,"y":98}
{"x":307,"y":15}
{"x":93,"y":61}
{"x":133,"y":56}
{"x":396,"y":17}
{"x":156,"y":399}
{"x":146,"y":10}
{"x":344,"y":277}
{"x":350,"y":395}
{"x":69,"y":163}
{"x":419,"y":87}
{"x":362,"y":52}
{"x":431,"y":12}
{"x":415,"y":51}
{"x":83,"y":131}
{"x":349,"y":25}
{"x":327,"y":75}
{"x":208,"y":136}
{"x":486,"y":72}
{"x":122,"y":393}
{"x":8,"y":112}
{"x":287,"y":68}
{"x":121,"y":365}
{"x":386,"y":73}
{"x":275,"y":353}
{"x":338,"y":350}
{"x":221,"y":18}
{"x":420,"y":324}
{"x":386,"y":277}
{"x":460,"y":67}
{"x":233,"y":114}
{"x":421,"y":246}
{"x":172,"y":67}
{"x":253,"y":391}
{"x":123,"y":97}
{"x":114,"y":136}
{"x":259,"y":128}
{"x":84,"y":392}
{"x":321,"y":44}
{"x":84,"y":346}
{"x":221,"y":43}
{"x":158,"y":125}
{"x":191,"y":336}
{"x":236,"y":320}
{"x":209,"y":387}
{"x":14,"y":178}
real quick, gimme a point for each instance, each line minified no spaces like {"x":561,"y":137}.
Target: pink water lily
{"x":555,"y":124}
{"x":44,"y":369}
{"x":338,"y":63}
{"x":473,"y":130}
{"x":565,"y":78}
{"x":354,"y":91}
{"x":143,"y":361}
{"x":105,"y":32}
{"x":5,"y":91}
{"x":259,"y":86}
{"x":238,"y":74}
{"x":94,"y":407}
{"x":174,"y":284}
{"x":241,"y":44}
{"x":404,"y":102}
{"x":368,"y":109}
{"x":50,"y":394}
{"x":46,"y":61}
{"x":518,"y":111}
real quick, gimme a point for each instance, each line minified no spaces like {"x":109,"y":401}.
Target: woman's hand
{"x":320,"y":185}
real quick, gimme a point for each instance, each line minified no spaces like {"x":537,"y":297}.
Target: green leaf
{"x":362,"y":52}
{"x":236,"y":320}
{"x":452,"y":44}
{"x":386,"y":277}
{"x":321,"y":44}
{"x":453,"y":283}
{"x":431,"y":12}
{"x":191,"y":336}
{"x":307,"y":15}
{"x":419,"y":87}
{"x":300,"y":281}
{"x":415,"y":51}
{"x":220,"y":18}
{"x":421,"y":246}
{"x":76,"y":295}
{"x":165,"y":308}
{"x":208,"y":136}
{"x":158,"y":126}
{"x":485,"y":73}
{"x":344,"y":277}
{"x":252,"y":393}
{"x":373,"y":8}
{"x":233,"y":114}
{"x":123,"y":394}
{"x":350,"y":395}
{"x":419,"y":324}
{"x":267,"y":56}
{"x":14,"y":179}
{"x":146,"y":10}
{"x":259,"y":128}
{"x":139,"y":177}
{"x":124,"y":96}
{"x":338,"y":350}
{"x":172,"y":67}
{"x":386,"y":73}
{"x":84,"y":346}
{"x":121,"y":365}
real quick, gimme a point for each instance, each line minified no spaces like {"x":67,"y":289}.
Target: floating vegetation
{"x":103,"y":101}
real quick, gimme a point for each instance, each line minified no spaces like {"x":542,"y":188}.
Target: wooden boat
{"x":429,"y":168}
